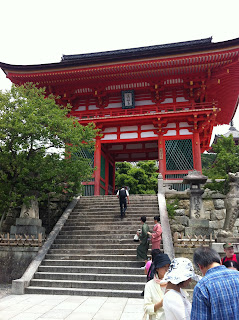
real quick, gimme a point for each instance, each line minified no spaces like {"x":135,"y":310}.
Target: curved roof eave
{"x":125,"y":55}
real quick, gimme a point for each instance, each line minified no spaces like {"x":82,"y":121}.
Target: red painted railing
{"x":142,"y":110}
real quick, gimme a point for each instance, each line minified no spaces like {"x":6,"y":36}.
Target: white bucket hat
{"x":180,"y":269}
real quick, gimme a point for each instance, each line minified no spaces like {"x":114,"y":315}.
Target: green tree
{"x":151,"y":170}
{"x":38,"y":146}
{"x":207,"y":160}
{"x":141,"y":179}
{"x":227,"y":160}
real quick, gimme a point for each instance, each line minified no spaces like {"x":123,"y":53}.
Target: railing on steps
{"x":20,"y":240}
{"x":192,"y":241}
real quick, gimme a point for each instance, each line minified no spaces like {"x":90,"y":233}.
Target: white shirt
{"x":176,"y":305}
{"x":152,"y":295}
{"x":127,"y":192}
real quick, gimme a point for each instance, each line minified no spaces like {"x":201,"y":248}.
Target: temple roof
{"x":201,"y":67}
{"x":232,"y":131}
{"x":141,"y":52}
{"x":88,"y":59}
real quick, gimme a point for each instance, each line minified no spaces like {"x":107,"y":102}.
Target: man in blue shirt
{"x":216,"y":295}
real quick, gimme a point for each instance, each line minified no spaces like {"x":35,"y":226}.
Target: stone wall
{"x":14,"y":261}
{"x":214,"y":207}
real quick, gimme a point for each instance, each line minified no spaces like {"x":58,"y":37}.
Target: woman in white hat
{"x":175,"y":303}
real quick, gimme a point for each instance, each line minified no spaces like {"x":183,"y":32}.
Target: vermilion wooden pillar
{"x":161,"y":155}
{"x":97,"y":165}
{"x":197,"y":152}
{"x":107,"y":175}
{"x":113,"y":177}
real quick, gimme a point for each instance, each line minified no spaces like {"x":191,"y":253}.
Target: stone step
{"x":94,"y":203}
{"x":98,"y":237}
{"x":77,"y":256}
{"x":140,"y":197}
{"x":113,"y":224}
{"x":95,"y":245}
{"x":97,"y":200}
{"x":94,"y":253}
{"x":101,"y":214}
{"x":90,"y":269}
{"x":112,"y":218}
{"x":95,"y":263}
{"x":69,"y":231}
{"x":85,"y":292}
{"x":102,"y":229}
{"x":94,"y":241}
{"x":114,"y":213}
{"x":109,"y":219}
{"x":88,"y":284}
{"x":91,"y":277}
{"x":100,"y":252}
{"x":115,"y":208}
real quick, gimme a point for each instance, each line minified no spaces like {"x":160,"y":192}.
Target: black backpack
{"x":237,"y":257}
{"x":122,"y":194}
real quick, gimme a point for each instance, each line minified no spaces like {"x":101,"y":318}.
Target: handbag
{"x":136,"y":238}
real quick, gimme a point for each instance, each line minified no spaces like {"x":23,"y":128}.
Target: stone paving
{"x":46,"y":307}
{"x":5,"y":289}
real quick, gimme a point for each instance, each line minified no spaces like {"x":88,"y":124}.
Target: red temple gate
{"x":151,"y":103}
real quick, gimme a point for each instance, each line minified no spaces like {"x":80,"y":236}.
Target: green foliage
{"x":37,"y":138}
{"x":207,"y":160}
{"x":226,"y":160}
{"x":142,"y":178}
{"x":222,"y":186}
{"x":123,"y":167}
{"x":172,"y":205}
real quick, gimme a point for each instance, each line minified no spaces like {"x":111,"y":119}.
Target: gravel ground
{"x":5,"y":290}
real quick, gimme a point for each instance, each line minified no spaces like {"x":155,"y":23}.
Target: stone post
{"x":29,"y":222}
{"x":166,"y":235}
{"x":232,"y":210}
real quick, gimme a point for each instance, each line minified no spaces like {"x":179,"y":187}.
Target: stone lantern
{"x":198,"y":223}
{"x":195,"y":179}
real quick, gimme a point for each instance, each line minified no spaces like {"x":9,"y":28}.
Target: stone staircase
{"x":94,"y":254}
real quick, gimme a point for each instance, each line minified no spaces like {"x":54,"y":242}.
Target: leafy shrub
{"x":171,"y":207}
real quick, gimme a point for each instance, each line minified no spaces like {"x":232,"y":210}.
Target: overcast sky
{"x":35,"y":32}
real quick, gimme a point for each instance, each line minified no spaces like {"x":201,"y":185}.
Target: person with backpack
{"x":231,"y":265}
{"x":123,"y":196}
{"x":230,"y":255}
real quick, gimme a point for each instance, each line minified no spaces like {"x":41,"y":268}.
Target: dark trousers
{"x":123,"y":207}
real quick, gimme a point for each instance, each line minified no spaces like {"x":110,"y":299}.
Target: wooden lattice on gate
{"x":192,"y":241}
